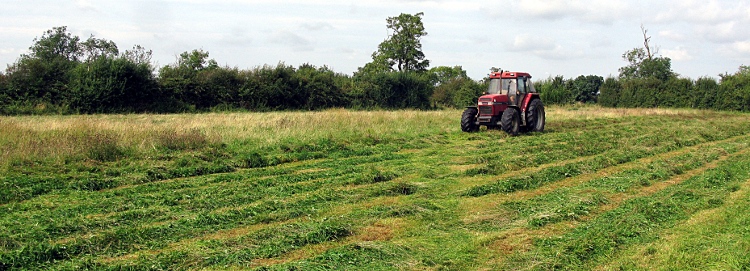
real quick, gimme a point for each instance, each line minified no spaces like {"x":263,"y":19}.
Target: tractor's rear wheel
{"x":535,"y":117}
{"x":469,"y":120}
{"x":510,"y":121}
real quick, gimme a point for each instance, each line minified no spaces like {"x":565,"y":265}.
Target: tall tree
{"x":643,"y":63}
{"x":42,"y":75}
{"x":57,"y":43}
{"x":403,"y":47}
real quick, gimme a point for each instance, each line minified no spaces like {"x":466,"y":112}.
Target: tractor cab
{"x":514,"y":85}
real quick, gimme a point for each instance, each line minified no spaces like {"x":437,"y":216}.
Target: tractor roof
{"x":509,"y":75}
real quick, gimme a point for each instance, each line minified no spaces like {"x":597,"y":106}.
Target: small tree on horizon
{"x":644,"y":64}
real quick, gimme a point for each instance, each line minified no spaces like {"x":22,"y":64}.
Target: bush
{"x":395,"y":90}
{"x":108,"y":85}
{"x":554,"y":90}
{"x":610,"y":92}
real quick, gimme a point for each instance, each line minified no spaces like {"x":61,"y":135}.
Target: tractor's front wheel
{"x":510,"y":121}
{"x":469,"y":120}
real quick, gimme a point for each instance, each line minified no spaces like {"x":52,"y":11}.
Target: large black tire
{"x":469,"y":120}
{"x":535,"y":117}
{"x":510,"y":121}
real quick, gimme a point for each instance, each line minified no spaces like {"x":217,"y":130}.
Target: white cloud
{"x":677,"y":54}
{"x":703,"y":11}
{"x":317,"y":26}
{"x":85,"y":5}
{"x":739,"y":49}
{"x":728,"y":32}
{"x":542,"y":47}
{"x":742,"y":47}
{"x":714,"y":21}
{"x":550,"y":10}
{"x":237,"y":36}
{"x":288,"y":38}
{"x":672,"y":35}
{"x":600,"y":12}
{"x":526,"y":43}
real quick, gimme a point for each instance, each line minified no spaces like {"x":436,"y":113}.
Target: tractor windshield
{"x":495,"y":86}
{"x":501,"y":86}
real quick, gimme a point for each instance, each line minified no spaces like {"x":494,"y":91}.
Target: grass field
{"x":600,"y":189}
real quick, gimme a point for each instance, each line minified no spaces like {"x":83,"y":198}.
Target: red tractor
{"x":511,"y":103}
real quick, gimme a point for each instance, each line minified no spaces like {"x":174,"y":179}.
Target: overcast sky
{"x":569,"y":38}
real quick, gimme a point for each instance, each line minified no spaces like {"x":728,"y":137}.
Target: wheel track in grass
{"x":552,"y":187}
{"x":301,"y":196}
{"x":628,"y":141}
{"x":648,"y":218}
{"x":519,"y":239}
{"x":318,"y":162}
{"x":230,"y":233}
{"x":701,"y":217}
{"x":360,"y":234}
{"x":549,"y":142}
{"x":482,"y":189}
{"x":492,"y":201}
{"x":312,"y":250}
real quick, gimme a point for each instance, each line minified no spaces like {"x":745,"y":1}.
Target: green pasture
{"x":603,"y":189}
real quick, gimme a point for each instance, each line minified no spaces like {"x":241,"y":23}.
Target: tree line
{"x":64,"y":74}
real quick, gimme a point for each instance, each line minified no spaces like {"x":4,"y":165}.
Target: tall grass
{"x":54,"y":140}
{"x":106,"y":137}
{"x":61,"y":139}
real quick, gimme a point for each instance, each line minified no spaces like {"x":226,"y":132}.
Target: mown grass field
{"x":601,"y":189}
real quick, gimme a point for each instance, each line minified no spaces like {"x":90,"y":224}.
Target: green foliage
{"x":586,"y":88}
{"x":94,"y":48}
{"x":445,"y":74}
{"x":108,"y":84}
{"x":319,"y":88}
{"x":403,"y":48}
{"x":731,"y":93}
{"x":395,"y":90}
{"x":555,"y":90}
{"x":57,"y":44}
{"x":453,"y":88}
{"x":705,"y":93}
{"x":43,"y":75}
{"x":734,"y":91}
{"x":642,"y":65}
{"x":63,"y":74}
{"x":181,"y":79}
{"x":610,"y":92}
{"x":4,"y":91}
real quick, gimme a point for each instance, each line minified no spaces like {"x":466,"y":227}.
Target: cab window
{"x":522,"y":85}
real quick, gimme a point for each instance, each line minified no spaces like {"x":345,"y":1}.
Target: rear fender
{"x":526,"y":101}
